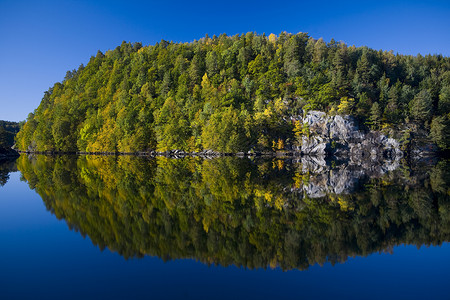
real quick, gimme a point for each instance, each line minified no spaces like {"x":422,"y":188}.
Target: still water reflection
{"x":242,"y":212}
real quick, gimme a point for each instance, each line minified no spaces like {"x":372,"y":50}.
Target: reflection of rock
{"x":345,"y":178}
{"x":314,"y":164}
{"x":338,"y":181}
{"x":422,"y":151}
{"x":340,"y":136}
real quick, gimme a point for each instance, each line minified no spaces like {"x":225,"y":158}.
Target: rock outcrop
{"x":340,"y":136}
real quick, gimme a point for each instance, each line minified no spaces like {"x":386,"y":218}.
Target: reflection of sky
{"x":40,"y":256}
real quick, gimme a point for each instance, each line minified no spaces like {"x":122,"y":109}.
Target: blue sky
{"x":41,"y":40}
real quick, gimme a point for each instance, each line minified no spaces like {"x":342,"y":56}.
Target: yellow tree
{"x":298,"y":129}
{"x":272,"y":38}
{"x":346,"y":106}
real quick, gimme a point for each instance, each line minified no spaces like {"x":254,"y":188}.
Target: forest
{"x":8,"y":130}
{"x":236,"y":93}
{"x":232,"y":211}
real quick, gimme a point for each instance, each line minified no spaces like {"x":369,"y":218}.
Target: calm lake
{"x":123,"y":227}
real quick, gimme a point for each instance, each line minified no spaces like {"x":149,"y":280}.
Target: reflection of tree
{"x":232,"y":211}
{"x":6,"y":166}
{"x":4,"y":176}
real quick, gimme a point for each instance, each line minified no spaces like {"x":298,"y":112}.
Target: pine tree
{"x":440,"y":132}
{"x":391,"y":112}
{"x":421,"y":106}
{"x":444,"y":100}
{"x":375,"y":116}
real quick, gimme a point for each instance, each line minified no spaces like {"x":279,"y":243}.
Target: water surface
{"x":124,"y":227}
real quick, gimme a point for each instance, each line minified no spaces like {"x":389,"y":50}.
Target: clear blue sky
{"x":41,"y":40}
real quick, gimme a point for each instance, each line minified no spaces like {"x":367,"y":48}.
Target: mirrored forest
{"x":7,"y":165}
{"x":253,"y":213}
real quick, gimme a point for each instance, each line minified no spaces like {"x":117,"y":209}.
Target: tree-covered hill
{"x":233,"y":93}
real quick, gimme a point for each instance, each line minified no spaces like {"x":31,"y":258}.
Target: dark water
{"x":127,"y":227}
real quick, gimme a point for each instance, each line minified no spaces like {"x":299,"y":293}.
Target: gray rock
{"x":313,"y":164}
{"x":325,"y":178}
{"x":313,"y":145}
{"x":342,"y":128}
{"x":340,"y":136}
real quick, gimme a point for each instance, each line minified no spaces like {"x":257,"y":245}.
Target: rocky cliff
{"x":340,"y":136}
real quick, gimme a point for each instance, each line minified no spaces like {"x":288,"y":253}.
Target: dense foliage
{"x":8,"y":130}
{"x":234,"y":211}
{"x":235,"y":93}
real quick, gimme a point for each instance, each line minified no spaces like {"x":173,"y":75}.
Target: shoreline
{"x":172,"y":153}
{"x":214,"y":154}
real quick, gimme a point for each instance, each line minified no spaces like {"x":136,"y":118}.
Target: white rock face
{"x":342,"y":128}
{"x":313,"y":145}
{"x":339,"y":135}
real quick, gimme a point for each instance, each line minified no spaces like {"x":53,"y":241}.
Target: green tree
{"x":440,"y":131}
{"x":212,"y":64}
{"x":225,"y":131}
{"x":392,"y":111}
{"x":61,"y":133}
{"x":444,"y":100}
{"x":293,"y":56}
{"x":172,"y":130}
{"x":3,"y":138}
{"x":362,"y":73}
{"x":375,"y":116}
{"x":421,"y":106}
